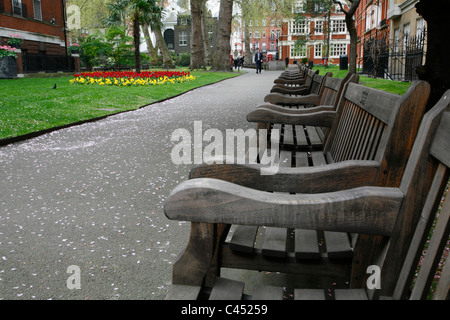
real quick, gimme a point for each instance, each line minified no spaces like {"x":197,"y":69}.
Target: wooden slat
{"x":433,"y":253}
{"x":275,"y":242}
{"x":301,"y":140}
{"x":183,"y":292}
{"x":243,"y":238}
{"x":377,"y":102}
{"x":314,"y":138}
{"x":338,"y":245}
{"x":350,"y":294}
{"x":442,"y":291}
{"x":441,"y":144}
{"x":288,"y":135}
{"x":262,"y":292}
{"x":301,"y":159}
{"x":318,"y":158}
{"x":409,"y":265}
{"x":226,"y":289}
{"x":306,"y":244}
{"x":309,"y":294}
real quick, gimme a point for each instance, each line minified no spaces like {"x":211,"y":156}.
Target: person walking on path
{"x":258,"y":60}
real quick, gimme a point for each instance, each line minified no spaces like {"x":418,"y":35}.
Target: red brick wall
{"x":50,"y":9}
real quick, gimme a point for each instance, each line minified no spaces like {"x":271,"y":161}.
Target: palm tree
{"x":139,"y":12}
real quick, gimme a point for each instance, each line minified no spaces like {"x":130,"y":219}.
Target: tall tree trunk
{"x":167,"y":59}
{"x":435,"y":12}
{"x":137,"y":42}
{"x":248,"y":49}
{"x":206,"y":40}
{"x":353,"y":36}
{"x":221,"y":59}
{"x":197,"y":51}
{"x":152,"y":51}
{"x":353,"y":54}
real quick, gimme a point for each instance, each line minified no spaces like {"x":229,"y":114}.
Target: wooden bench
{"x":401,"y":215}
{"x":292,"y":76}
{"x":343,"y":146}
{"x":390,"y":124}
{"x":400,"y":113}
{"x":298,"y":88}
{"x":299,"y":137}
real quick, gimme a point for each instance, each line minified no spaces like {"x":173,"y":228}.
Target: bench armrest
{"x":282,"y":99}
{"x":266,"y":115}
{"x":296,"y":111}
{"x":369,"y":210}
{"x":327,"y":178}
{"x":301,"y":90}
{"x":299,"y":81}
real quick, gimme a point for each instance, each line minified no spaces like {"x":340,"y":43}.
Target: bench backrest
{"x":424,"y":183}
{"x":376,"y":125}
{"x":309,"y":77}
{"x":318,"y":82}
{"x":332,"y":89}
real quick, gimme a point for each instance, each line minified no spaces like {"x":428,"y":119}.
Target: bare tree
{"x":353,"y":5}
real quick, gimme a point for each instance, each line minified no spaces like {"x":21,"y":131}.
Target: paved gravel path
{"x":91,"y":196}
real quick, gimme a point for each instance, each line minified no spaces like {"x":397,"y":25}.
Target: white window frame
{"x":420,"y":25}
{"x":17,"y":4}
{"x":338,"y":26}
{"x":318,"y":50}
{"x":299,"y":27}
{"x":318,"y":27}
{"x":298,"y":53}
{"x":338,"y":49}
{"x":37,"y":10}
{"x":182,"y":39}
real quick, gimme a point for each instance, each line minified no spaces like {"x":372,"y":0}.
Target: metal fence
{"x":396,"y":60}
{"x":47,"y":63}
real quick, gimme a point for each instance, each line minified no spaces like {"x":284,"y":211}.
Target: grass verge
{"x":31,"y":104}
{"x":397,"y":87}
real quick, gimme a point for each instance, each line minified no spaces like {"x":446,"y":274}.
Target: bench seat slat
{"x":306,"y":244}
{"x":226,"y":289}
{"x":350,"y":294}
{"x":262,"y":292}
{"x":183,"y":292}
{"x":275,"y":242}
{"x":338,"y":245}
{"x":243,"y":238}
{"x":309,"y":294}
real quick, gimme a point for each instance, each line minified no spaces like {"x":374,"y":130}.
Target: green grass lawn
{"x":382,"y":84}
{"x":30,"y":104}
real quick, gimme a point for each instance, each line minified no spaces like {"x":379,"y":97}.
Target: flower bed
{"x":7,"y":51}
{"x":131,"y":78}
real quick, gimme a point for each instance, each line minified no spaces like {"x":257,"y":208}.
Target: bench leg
{"x":200,"y":256}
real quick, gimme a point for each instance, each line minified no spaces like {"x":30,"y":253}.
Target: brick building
{"x":264,"y":34}
{"x":391,"y":38}
{"x":314,"y":30}
{"x":41,"y":26}
{"x":373,"y":31}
